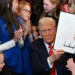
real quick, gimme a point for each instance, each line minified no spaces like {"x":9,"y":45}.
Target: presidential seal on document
{"x":65,"y":35}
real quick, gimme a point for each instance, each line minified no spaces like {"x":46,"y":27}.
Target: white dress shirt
{"x":48,"y":49}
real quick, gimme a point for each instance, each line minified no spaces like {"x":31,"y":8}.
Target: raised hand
{"x":18,"y":34}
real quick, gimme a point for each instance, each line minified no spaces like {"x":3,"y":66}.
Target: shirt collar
{"x":47,"y":46}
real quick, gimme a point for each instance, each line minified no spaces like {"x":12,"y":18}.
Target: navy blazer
{"x":38,"y":60}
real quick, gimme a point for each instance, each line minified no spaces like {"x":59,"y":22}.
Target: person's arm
{"x":37,"y":61}
{"x":7,"y":45}
{"x":56,"y":55}
{"x":50,"y":65}
{"x":18,"y":37}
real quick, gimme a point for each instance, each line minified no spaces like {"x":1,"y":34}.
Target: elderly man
{"x":43,"y":59}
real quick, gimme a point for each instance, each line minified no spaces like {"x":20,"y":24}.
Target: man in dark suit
{"x":41,"y":62}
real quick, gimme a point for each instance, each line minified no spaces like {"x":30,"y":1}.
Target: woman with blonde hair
{"x":24,"y":12}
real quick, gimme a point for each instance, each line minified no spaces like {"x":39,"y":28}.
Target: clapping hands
{"x":18,"y":34}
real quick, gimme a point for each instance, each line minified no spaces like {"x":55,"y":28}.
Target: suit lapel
{"x":42,"y":45}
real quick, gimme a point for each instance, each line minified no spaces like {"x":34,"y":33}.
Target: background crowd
{"x":27,"y":34}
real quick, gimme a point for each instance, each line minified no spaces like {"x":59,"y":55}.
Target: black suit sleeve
{"x":38,"y":59}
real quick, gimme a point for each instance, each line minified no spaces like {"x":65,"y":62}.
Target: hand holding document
{"x":65,"y":33}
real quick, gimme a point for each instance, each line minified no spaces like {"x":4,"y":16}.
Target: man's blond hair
{"x":46,"y":20}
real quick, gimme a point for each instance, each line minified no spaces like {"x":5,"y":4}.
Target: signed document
{"x":65,"y":33}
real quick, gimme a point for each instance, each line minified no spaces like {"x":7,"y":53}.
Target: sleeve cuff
{"x":21,"y":43}
{"x":50,"y":65}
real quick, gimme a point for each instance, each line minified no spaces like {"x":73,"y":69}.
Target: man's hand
{"x":55,"y":55}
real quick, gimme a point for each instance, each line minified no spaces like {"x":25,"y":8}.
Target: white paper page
{"x":65,"y":33}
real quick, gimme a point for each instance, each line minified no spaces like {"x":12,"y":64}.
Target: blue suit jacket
{"x":38,"y":60}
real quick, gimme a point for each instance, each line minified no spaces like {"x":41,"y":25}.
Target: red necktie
{"x":52,"y":71}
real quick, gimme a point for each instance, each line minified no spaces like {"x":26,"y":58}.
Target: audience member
{"x":9,"y":25}
{"x":24,"y":12}
{"x":68,"y":6}
{"x":71,"y":63}
{"x":64,"y":6}
{"x":72,"y":6}
{"x":52,"y":9}
{"x":35,"y":31}
{"x":9,"y":44}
